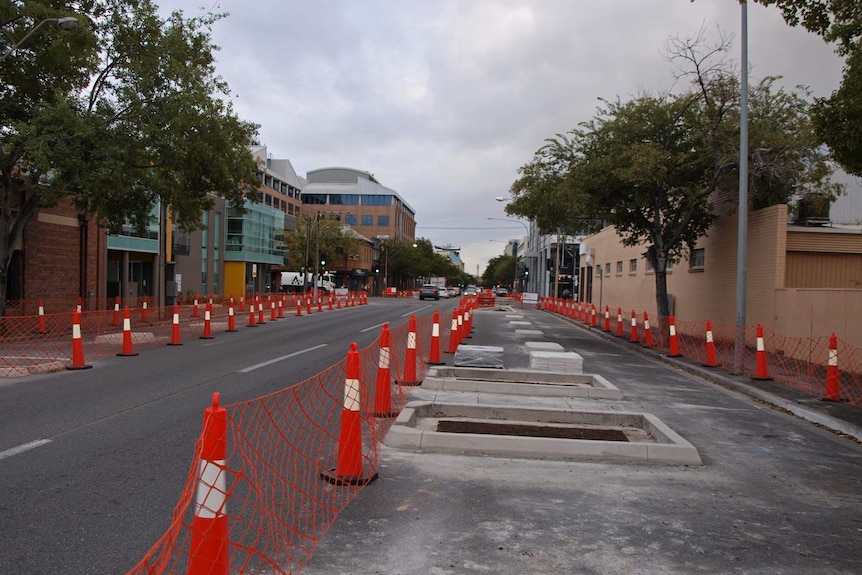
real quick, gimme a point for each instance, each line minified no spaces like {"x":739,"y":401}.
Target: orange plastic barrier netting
{"x":280,"y":449}
{"x":800,"y":363}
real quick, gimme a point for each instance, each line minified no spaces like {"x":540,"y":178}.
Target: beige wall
{"x":710,"y":293}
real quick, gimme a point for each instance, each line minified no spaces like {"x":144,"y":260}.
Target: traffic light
{"x":526,"y":272}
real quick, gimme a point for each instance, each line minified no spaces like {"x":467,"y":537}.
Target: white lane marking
{"x":282,"y":358}
{"x":23,"y":447}
{"x":372,"y":327}
{"x":409,"y":313}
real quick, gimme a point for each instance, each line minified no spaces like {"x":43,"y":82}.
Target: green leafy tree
{"x":325,"y":231}
{"x":838,"y":119}
{"x":500,"y":271}
{"x":116,"y":116}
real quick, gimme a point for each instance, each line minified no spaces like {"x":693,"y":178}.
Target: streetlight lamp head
{"x":500,"y":199}
{"x":67,"y":23}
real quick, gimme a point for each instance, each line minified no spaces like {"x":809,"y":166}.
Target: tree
{"x":122,"y":114}
{"x":500,"y":271}
{"x":838,"y":119}
{"x":662,"y":168}
{"x":324,"y":231}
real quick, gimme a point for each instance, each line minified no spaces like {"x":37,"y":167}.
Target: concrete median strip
{"x":521,"y":382}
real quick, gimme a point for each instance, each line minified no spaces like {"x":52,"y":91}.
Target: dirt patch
{"x":523,"y":430}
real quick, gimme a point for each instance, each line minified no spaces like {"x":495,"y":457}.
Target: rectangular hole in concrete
{"x":524,"y":430}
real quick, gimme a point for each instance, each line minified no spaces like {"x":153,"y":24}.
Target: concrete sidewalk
{"x":775,"y":494}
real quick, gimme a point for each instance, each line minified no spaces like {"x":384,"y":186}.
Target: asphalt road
{"x":93,"y":462}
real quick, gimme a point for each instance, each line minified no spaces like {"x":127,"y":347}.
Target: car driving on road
{"x":429,"y":291}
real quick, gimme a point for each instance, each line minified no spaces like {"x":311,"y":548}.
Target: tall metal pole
{"x":742,"y":232}
{"x":316,"y":259}
{"x":557,"y":268}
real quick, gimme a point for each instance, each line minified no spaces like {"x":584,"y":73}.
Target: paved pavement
{"x":777,"y":494}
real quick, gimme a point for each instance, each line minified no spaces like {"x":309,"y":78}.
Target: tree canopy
{"x":662,"y":168}
{"x":118,"y":115}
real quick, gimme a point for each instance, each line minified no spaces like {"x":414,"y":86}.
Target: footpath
{"x":779,"y":490}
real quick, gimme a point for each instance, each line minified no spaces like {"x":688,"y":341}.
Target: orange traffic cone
{"x":231,"y":319}
{"x":208,"y":334}
{"x":308,"y":305}
{"x":710,"y":347}
{"x":647,"y":332}
{"x":594,"y":320}
{"x":127,"y":335}
{"x":261,"y":320}
{"x":453,"y":333}
{"x":461,"y":334}
{"x":252,"y":312}
{"x":144,"y":305}
{"x":409,"y":376}
{"x":209,"y":552}
{"x":116,"y":320}
{"x":607,"y":326}
{"x":349,"y":468}
{"x":175,"y":327}
{"x":674,"y":343}
{"x":833,"y":377}
{"x":383,"y":395}
{"x":273,"y":309}
{"x":434,"y":357}
{"x":77,"y":344}
{"x":195,"y":312}
{"x":242,"y":303}
{"x":634,"y":333}
{"x":43,"y":328}
{"x":619,"y":322}
{"x":298,"y":308}
{"x":761,"y":371}
{"x":281,"y":307}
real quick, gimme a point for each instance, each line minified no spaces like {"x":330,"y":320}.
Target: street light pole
{"x":65,"y":23}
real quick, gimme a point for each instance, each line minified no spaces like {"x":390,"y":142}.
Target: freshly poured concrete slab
{"x":649,"y":440}
{"x":562,"y":361}
{"x":479,"y":356}
{"x":521,"y":382}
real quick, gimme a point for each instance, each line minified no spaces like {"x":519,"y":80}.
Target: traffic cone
{"x":647,"y":332}
{"x":231,"y":319}
{"x":409,"y":376}
{"x":308,"y":305}
{"x":674,"y":343}
{"x":607,"y":326}
{"x":594,"y":320}
{"x":298,"y":308}
{"x":338,"y":303}
{"x":77,"y":344}
{"x":261,"y":320}
{"x":252,"y":312}
{"x":319,"y":303}
{"x":43,"y":328}
{"x":619,"y":322}
{"x":79,"y":307}
{"x":208,"y":334}
{"x":175,"y":327}
{"x":127,"y":335}
{"x":383,"y":395}
{"x":760,"y":371}
{"x":468,"y":321}
{"x":330,"y":298}
{"x":453,"y":333}
{"x":461,"y":334}
{"x":634,"y":333}
{"x":116,"y":320}
{"x":434,"y":357}
{"x":242,"y":303}
{"x":144,"y":306}
{"x":349,"y":467}
{"x":209,"y":551}
{"x":710,"y":347}
{"x":273,"y":309}
{"x":195,"y":312}
{"x":833,"y":377}
{"x":281,"y":307}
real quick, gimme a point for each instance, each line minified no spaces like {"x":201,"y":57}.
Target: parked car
{"x":429,"y":291}
{"x":444,"y":292}
{"x":502,"y":292}
{"x":454,"y":291}
{"x":471,"y":291}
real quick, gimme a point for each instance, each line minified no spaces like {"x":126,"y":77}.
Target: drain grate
{"x":524,"y":430}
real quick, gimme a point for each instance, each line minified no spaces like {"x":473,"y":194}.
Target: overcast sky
{"x":443,"y":100}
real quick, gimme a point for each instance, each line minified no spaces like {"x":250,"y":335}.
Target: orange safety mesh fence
{"x":34,"y":343}
{"x":280,"y":450}
{"x":798,"y":362}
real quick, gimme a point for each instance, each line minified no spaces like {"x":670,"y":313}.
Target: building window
{"x":317,"y":199}
{"x":608,"y":269}
{"x":375,"y":200}
{"x":633,"y":266}
{"x":698,"y":258}
{"x":344,"y":199}
{"x":383,"y":221}
{"x":368,"y":220}
{"x":649,"y":266}
{"x":620,"y":267}
{"x":350,"y":219}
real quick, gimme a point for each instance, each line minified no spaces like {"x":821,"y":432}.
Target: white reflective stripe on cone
{"x":760,"y":346}
{"x":351,"y":394}
{"x":435,"y":330}
{"x":709,"y":337}
{"x":411,"y":340}
{"x":127,"y":324}
{"x":211,"y":493}
{"x":384,"y":358}
{"x":76,"y":331}
{"x":673,"y":330}
{"x":833,"y":357}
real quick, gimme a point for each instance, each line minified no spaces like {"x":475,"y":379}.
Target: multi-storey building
{"x":372,"y":210}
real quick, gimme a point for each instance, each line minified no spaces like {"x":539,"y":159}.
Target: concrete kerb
{"x":521,"y":382}
{"x":411,"y":431}
{"x":831,"y":423}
